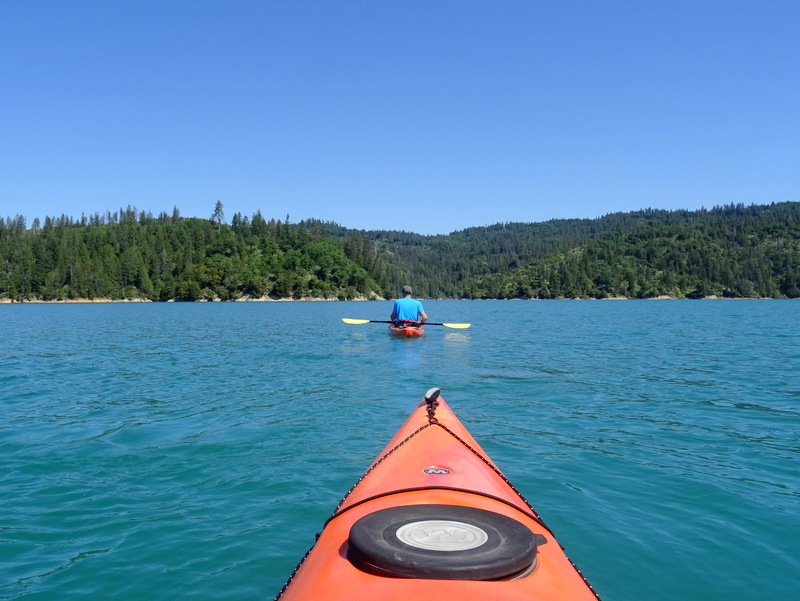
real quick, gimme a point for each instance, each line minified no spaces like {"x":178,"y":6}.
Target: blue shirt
{"x":407,"y":309}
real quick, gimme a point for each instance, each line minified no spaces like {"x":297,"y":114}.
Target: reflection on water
{"x":354,"y":343}
{"x":456,"y":338}
{"x":457,"y":348}
{"x":407,"y":354}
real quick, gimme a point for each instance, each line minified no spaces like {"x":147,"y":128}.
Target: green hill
{"x":122,"y":255}
{"x":732,"y":251}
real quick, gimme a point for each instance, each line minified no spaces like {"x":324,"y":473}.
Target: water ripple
{"x":176,"y":451}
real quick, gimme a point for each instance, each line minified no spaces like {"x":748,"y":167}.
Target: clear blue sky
{"x":429,"y":116}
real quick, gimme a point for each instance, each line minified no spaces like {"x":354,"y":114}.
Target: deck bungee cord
{"x":431,"y":399}
{"x":432,"y":507}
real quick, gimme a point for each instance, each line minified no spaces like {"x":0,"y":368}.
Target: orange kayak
{"x":408,"y":331}
{"x":434,"y":518}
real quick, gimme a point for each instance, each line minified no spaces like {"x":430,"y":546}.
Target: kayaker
{"x":408,"y":311}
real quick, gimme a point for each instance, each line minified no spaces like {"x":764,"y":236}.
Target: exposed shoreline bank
{"x":78,"y":301}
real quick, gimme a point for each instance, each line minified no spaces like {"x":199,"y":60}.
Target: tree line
{"x":130,"y":255}
{"x":734,"y":251}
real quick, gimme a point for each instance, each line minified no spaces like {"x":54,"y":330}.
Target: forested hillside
{"x":732,"y":251}
{"x":124,"y":256}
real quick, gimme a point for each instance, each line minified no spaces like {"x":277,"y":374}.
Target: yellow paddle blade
{"x":457,"y":326}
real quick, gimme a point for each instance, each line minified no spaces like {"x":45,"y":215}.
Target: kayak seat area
{"x":407,"y":324}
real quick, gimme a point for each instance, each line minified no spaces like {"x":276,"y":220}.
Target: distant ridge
{"x":732,"y":251}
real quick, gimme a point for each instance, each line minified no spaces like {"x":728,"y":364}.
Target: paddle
{"x":457,"y":326}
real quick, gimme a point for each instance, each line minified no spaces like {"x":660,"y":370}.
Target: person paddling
{"x":407,"y":311}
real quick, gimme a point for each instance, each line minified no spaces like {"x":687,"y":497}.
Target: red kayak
{"x":434,"y":518}
{"x":407,"y":331}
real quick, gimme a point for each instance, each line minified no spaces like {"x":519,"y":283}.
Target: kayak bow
{"x":433,"y":517}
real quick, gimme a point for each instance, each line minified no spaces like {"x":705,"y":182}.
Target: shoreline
{"x":80,"y":301}
{"x":266,"y":299}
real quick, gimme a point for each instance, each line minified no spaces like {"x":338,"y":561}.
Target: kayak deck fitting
{"x":433,"y":517}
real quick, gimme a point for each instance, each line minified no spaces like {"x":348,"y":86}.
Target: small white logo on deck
{"x":436,"y":470}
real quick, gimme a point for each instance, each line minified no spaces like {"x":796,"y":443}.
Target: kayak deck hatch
{"x":433,"y":516}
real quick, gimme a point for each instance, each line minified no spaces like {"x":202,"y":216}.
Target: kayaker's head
{"x":407,"y":291}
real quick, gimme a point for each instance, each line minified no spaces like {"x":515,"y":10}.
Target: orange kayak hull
{"x":406,"y":332}
{"x":434,"y":466}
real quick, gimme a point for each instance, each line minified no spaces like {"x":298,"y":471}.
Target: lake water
{"x":192,"y":451}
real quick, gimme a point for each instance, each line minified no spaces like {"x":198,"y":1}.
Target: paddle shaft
{"x":459,"y":326}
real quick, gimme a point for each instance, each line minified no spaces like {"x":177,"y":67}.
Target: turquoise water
{"x":192,"y":451}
